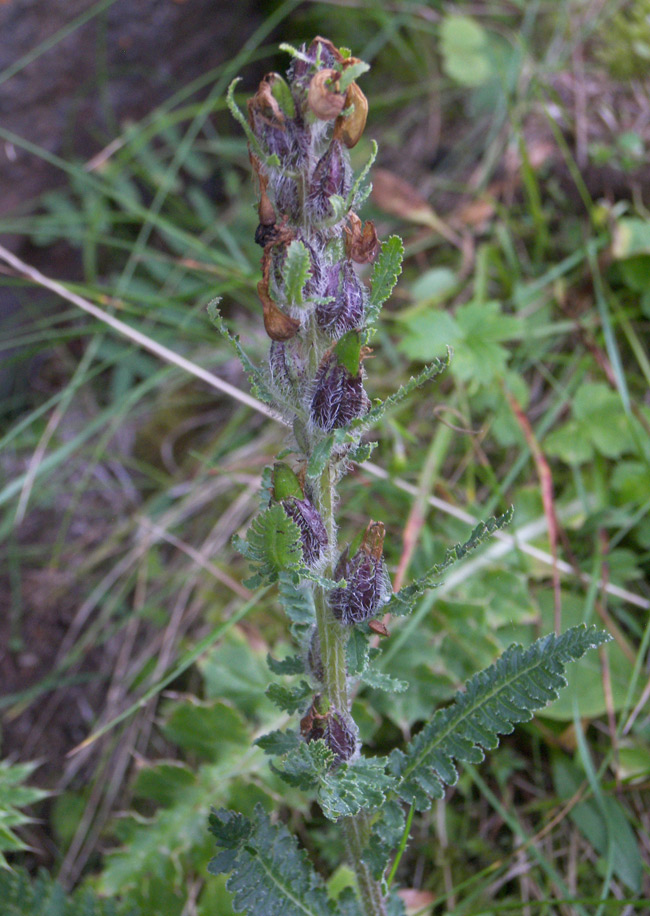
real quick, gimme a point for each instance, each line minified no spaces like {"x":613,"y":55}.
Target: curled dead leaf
{"x":265,"y":103}
{"x":276,"y":324}
{"x":361,"y":244}
{"x":353,"y":126}
{"x":322,"y":99}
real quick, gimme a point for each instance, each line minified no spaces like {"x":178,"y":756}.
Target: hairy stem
{"x":332,"y":638}
{"x":357,"y":832}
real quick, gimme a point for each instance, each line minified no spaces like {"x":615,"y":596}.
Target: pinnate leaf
{"x":270,"y":875}
{"x":386,"y":270}
{"x":511,"y":690}
{"x":403,"y":601}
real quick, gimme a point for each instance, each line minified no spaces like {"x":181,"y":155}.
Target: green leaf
{"x":433,"y":370}
{"x":272,"y":544}
{"x":277,"y":743}
{"x":631,"y":238}
{"x":298,"y":603}
{"x":13,"y":796}
{"x":381,"y":681}
{"x":270,"y":876}
{"x":206,"y":728}
{"x":290,"y":699}
{"x":356,"y":195}
{"x":600,"y":823}
{"x":463,"y":44}
{"x":293,"y":664}
{"x":475,"y":332}
{"x":433,"y":285}
{"x":352,"y":787}
{"x":403,"y":601}
{"x":518,"y":684}
{"x":341,"y":791}
{"x":385,"y":272}
{"x":42,"y":896}
{"x":296,"y":270}
{"x":258,"y":385}
{"x":351,"y":73}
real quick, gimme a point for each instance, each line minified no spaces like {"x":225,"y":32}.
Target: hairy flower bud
{"x":312,"y":530}
{"x":334,"y":727}
{"x":367,"y":584}
{"x":286,"y":372}
{"x":345,"y":312}
{"x":331,"y":176}
{"x":339,"y":396}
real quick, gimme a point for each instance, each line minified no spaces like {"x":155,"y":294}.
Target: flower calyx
{"x":332,"y":726}
{"x":288,"y":490}
{"x":339,"y":396}
{"x":368,"y":586}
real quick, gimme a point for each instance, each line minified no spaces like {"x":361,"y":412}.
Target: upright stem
{"x":332,"y":639}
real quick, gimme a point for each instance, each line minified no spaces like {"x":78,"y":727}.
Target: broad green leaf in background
{"x":602,"y":822}
{"x":585,"y":680}
{"x":599,"y":424}
{"x":475,"y":333}
{"x":464,"y":49}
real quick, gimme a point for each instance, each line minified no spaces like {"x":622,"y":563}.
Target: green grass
{"x":124,"y":475}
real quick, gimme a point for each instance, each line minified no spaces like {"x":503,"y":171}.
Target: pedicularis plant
{"x":319,"y":316}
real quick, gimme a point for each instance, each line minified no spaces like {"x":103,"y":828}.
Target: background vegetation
{"x":513,"y":159}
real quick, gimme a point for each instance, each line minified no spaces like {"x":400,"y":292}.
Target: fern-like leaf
{"x":14,"y":794}
{"x":386,"y":270}
{"x":357,"y":195}
{"x":42,"y":896}
{"x":430,"y":371}
{"x":258,"y":385}
{"x":272,"y":545}
{"x":403,"y":601}
{"x":494,"y":700}
{"x":269,"y":874}
{"x":341,"y":791}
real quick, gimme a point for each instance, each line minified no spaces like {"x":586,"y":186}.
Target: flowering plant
{"x":319,"y":316}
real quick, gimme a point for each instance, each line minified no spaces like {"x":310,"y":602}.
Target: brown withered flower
{"x":361,"y":243}
{"x":323,"y":98}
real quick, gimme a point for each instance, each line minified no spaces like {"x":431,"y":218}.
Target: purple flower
{"x":312,"y":530}
{"x":367,"y":586}
{"x":345,"y":312}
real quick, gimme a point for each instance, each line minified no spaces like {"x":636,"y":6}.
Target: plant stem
{"x":332,"y":639}
{"x":357,"y":831}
